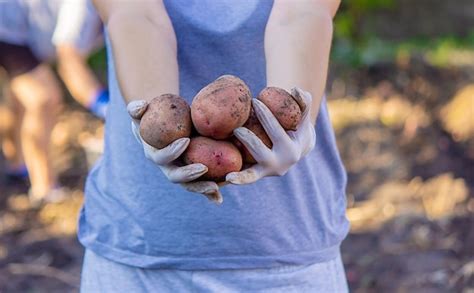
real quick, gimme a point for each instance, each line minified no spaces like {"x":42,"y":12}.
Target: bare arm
{"x":144,"y":47}
{"x":297,"y":44}
{"x":76,"y":74}
{"x":77,"y":28}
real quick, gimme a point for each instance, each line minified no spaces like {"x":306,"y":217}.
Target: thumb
{"x":137,"y":108}
{"x":247,"y":176}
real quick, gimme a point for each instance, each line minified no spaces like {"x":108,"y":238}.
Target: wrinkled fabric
{"x":134,"y":216}
{"x":102,"y":275}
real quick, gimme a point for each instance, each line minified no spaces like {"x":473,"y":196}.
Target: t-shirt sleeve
{"x":78,"y":25}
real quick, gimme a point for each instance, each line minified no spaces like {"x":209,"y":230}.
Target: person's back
{"x":134,"y":215}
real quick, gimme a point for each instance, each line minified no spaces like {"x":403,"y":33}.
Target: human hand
{"x":166,"y":157}
{"x":288,"y":146}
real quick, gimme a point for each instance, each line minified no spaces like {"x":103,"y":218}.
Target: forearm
{"x":297,"y":44}
{"x":144,"y":49}
{"x":76,"y":74}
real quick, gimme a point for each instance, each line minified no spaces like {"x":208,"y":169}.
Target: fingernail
{"x":214,"y":196}
{"x":260,"y":108}
{"x":296,"y":93}
{"x":136,"y":109}
{"x":233,"y":178}
{"x":180,"y":143}
{"x":256,"y":102}
{"x":293,"y":91}
{"x":183,"y":140}
{"x":199,"y":170}
{"x":230,"y":177}
{"x":211,"y":191}
{"x":202,"y":167}
{"x":197,"y":173}
{"x":239,"y":130}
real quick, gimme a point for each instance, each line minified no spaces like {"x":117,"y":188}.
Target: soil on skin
{"x":410,"y":192}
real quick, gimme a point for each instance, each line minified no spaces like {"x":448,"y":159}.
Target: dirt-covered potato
{"x":283,"y":105}
{"x":220,"y":157}
{"x":167,"y":118}
{"x":221,"y":106}
{"x":253,"y":125}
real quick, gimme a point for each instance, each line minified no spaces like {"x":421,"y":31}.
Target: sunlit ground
{"x":406,"y":135}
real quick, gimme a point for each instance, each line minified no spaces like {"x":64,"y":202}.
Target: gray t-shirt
{"x":43,"y":24}
{"x":134,"y":215}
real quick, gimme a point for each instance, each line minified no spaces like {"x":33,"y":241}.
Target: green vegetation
{"x":355,"y":48}
{"x":441,"y":51}
{"x":351,"y":12}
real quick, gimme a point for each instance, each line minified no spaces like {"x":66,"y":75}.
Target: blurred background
{"x":401,"y":99}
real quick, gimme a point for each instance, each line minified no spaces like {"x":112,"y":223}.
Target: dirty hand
{"x":288,"y":146}
{"x":164,"y":158}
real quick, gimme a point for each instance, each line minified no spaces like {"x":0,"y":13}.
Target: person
{"x":32,"y":33}
{"x":281,"y":222}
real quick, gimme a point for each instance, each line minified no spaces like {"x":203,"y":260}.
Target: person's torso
{"x":30,"y":23}
{"x":33,"y":23}
{"x":133,"y":214}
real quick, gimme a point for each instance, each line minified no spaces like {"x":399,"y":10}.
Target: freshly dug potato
{"x":221,"y":106}
{"x":283,"y":105}
{"x":253,"y":125}
{"x":167,"y":118}
{"x":220,"y":157}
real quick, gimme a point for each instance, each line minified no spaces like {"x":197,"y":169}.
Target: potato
{"x":166,"y":119}
{"x":220,"y":157}
{"x":284,"y":106}
{"x":221,"y":106}
{"x":253,"y":124}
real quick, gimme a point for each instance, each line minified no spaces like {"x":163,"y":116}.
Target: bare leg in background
{"x":11,"y":137}
{"x":39,"y":94}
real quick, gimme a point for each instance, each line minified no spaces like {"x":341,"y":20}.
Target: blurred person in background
{"x":33,"y":33}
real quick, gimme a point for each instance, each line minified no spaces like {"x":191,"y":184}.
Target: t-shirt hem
{"x":210,"y":263}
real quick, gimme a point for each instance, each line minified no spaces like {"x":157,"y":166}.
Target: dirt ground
{"x":406,"y":135}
